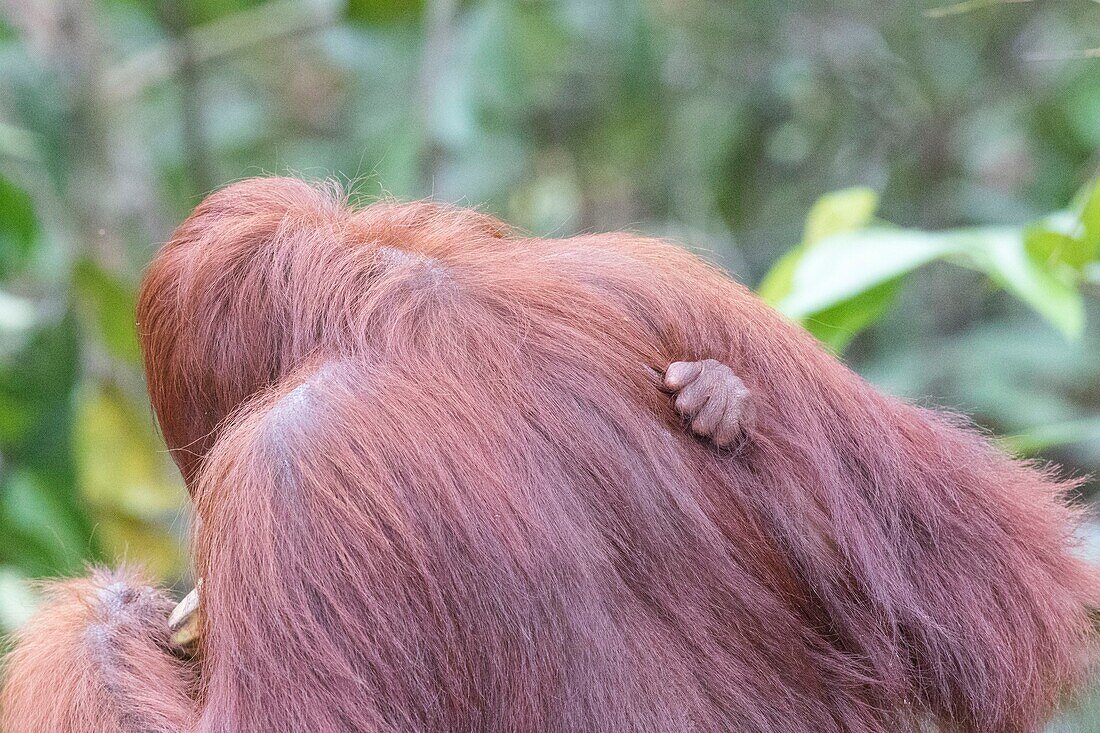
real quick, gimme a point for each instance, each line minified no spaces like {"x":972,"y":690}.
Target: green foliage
{"x":44,"y":527}
{"x":848,"y":269}
{"x":17,"y":229}
{"x":125,"y":477}
{"x":947,"y":135}
{"x":373,"y":12}
{"x":108,"y":304}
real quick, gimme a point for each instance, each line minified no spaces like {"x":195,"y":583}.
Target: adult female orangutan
{"x":441,"y":491}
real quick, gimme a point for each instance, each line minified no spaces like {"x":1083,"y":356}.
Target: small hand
{"x":713,"y":400}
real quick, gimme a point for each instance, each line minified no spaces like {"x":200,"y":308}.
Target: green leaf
{"x":1068,"y":238}
{"x":376,"y":12}
{"x":1002,"y":254}
{"x":847,"y":265}
{"x":1055,"y":435}
{"x":111,"y":304}
{"x":777,"y":284}
{"x":838,"y":213}
{"x":124,"y":473}
{"x":1051,"y":248}
{"x":17,"y":600}
{"x":824,"y":277}
{"x":49,"y":537}
{"x":121,"y":465}
{"x":835,"y":213}
{"x":838,"y":325}
{"x":18,"y":228}
{"x":1090,"y":224}
{"x":1090,"y":211}
{"x":35,"y":441}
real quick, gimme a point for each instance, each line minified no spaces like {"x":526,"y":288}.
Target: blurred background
{"x":912,"y":181}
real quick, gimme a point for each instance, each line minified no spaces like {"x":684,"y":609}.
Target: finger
{"x":682,"y":373}
{"x":738,"y":420}
{"x":708,"y":418}
{"x":746,"y":408}
{"x":730,"y":432}
{"x":692,"y":398}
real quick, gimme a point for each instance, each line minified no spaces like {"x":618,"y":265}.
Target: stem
{"x":439,"y":16}
{"x":267,"y":23}
{"x":174,"y":17}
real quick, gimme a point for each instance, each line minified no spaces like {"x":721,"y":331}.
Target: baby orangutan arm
{"x":712,"y":400}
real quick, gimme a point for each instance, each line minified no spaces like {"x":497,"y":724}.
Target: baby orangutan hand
{"x":712,"y":400}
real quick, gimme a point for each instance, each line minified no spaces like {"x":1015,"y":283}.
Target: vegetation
{"x":974,"y":129}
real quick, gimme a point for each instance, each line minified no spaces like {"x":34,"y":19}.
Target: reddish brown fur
{"x":440,"y":492}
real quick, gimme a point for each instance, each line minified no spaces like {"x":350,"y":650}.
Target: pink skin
{"x":713,"y":401}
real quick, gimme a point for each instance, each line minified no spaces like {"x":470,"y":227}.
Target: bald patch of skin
{"x":293,"y":404}
{"x":299,"y":404}
{"x":713,"y":401}
{"x":393,"y":258}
